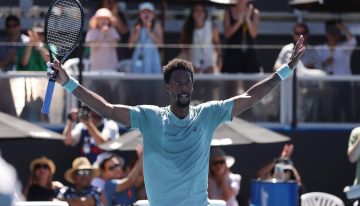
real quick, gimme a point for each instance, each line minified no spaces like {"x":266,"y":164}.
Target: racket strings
{"x":64,"y":26}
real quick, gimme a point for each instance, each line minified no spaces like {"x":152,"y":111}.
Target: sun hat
{"x":218,"y":152}
{"x":147,"y":5}
{"x":103,"y":12}
{"x":43,"y":160}
{"x":80,"y":163}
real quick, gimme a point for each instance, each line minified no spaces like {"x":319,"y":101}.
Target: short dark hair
{"x":177,"y":64}
{"x":303,"y":25}
{"x":12,"y":18}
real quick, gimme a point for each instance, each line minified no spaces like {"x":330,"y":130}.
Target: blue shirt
{"x":124,"y":198}
{"x":176,"y":151}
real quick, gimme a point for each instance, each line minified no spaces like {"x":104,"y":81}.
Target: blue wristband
{"x":71,"y":85}
{"x":284,"y":71}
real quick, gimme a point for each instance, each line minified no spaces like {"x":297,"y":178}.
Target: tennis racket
{"x":64,"y":24}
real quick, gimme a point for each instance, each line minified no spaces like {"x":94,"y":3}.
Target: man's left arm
{"x":259,"y":90}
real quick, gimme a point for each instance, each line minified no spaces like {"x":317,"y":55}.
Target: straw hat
{"x":146,"y":5}
{"x":43,"y":160}
{"x":80,"y":163}
{"x":218,"y":152}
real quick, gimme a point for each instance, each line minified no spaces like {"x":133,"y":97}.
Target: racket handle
{"x":48,"y":96}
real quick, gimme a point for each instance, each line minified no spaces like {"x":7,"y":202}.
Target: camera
{"x":84,"y":112}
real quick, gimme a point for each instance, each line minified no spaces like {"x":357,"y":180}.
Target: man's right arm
{"x":119,"y":113}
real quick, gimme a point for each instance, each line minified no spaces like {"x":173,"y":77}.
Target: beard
{"x":183,"y":104}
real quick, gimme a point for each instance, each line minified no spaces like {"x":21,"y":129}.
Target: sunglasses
{"x":83,"y":172}
{"x":112,"y":167}
{"x":41,"y":166}
{"x":218,"y":162}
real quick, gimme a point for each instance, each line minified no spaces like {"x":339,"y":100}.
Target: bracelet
{"x":71,"y":85}
{"x":284,"y":71}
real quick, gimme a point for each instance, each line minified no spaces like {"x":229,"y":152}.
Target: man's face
{"x":82,"y":178}
{"x":12,"y":27}
{"x":113,"y":169}
{"x":298,"y":31}
{"x":180,"y":88}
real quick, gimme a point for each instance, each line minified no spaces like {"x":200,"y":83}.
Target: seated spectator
{"x":203,"y":34}
{"x":120,"y":190}
{"x":282,"y":168}
{"x":34,"y":56}
{"x":41,"y":186}
{"x":146,"y":36}
{"x":81,"y":192}
{"x":223,"y":184}
{"x":101,"y":34}
{"x":13,"y":36}
{"x":91,"y":131}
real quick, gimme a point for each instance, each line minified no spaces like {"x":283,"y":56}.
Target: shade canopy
{"x":14,"y":127}
{"x":236,"y":132}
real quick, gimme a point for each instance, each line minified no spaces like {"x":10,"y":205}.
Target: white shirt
{"x":341,"y":57}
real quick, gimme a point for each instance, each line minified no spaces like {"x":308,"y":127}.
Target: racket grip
{"x":48,"y":96}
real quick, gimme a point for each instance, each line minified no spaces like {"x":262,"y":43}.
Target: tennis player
{"x":177,"y":137}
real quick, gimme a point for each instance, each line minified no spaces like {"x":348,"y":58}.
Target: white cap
{"x":147,"y":5}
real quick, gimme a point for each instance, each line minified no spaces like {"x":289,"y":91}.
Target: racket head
{"x":64,"y":24}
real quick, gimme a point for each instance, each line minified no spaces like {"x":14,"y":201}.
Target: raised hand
{"x":61,"y":76}
{"x":297,"y":53}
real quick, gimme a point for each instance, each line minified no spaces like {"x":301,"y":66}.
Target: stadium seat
{"x":320,"y":199}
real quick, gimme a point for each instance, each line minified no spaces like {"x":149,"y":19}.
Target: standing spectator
{"x":146,"y":37}
{"x":203,"y":34}
{"x":335,"y":60}
{"x":240,"y":29}
{"x":81,"y":192}
{"x":41,"y":186}
{"x":13,"y":36}
{"x":121,"y":26}
{"x":91,"y":131}
{"x":223,"y":184}
{"x":309,"y":65}
{"x":34,"y":56}
{"x":101,"y":35}
{"x":335,"y":55}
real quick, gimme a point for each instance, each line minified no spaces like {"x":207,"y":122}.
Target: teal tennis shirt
{"x":176,"y":151}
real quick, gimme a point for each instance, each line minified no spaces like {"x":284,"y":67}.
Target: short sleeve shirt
{"x":355,"y":133}
{"x":176,"y":151}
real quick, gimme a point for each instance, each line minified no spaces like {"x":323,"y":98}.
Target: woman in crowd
{"x":41,"y":186}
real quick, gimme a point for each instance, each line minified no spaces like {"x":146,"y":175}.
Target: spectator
{"x":41,"y":186}
{"x":120,"y":189}
{"x":240,"y":29}
{"x":309,"y":65}
{"x":91,"y":131}
{"x":282,"y":168}
{"x":335,"y":60}
{"x":146,"y":37}
{"x":81,"y":192}
{"x":335,"y":55}
{"x":203,"y":34}
{"x":223,"y":184}
{"x":121,"y":26}
{"x":101,"y":35}
{"x":34,"y":56}
{"x":13,"y":37}
{"x":9,"y":184}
